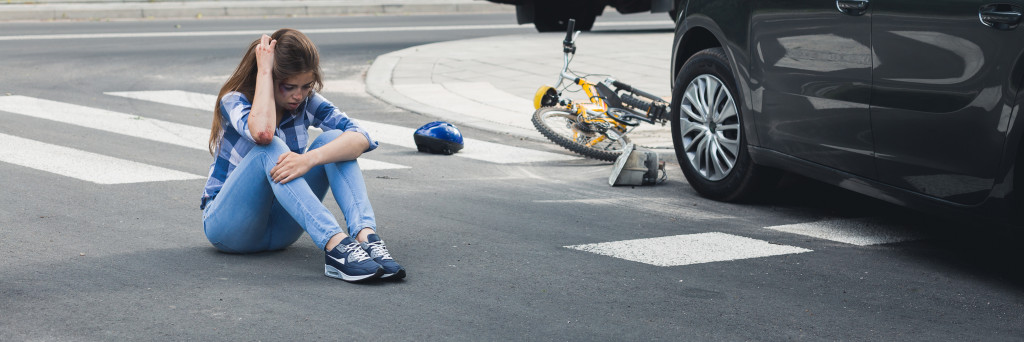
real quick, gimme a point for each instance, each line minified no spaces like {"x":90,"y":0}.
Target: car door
{"x":810,"y":79}
{"x":944,"y":83}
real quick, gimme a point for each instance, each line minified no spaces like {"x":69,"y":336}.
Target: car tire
{"x":708,"y":130}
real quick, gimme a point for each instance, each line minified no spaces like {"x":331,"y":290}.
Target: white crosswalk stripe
{"x":181,"y":98}
{"x":716,"y":246}
{"x":385,"y":133}
{"x":860,"y":232}
{"x":689,"y":249}
{"x":109,"y":121}
{"x":83,"y":165}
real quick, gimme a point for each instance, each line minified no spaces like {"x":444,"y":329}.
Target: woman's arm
{"x":263,"y":115}
{"x":291,"y":165}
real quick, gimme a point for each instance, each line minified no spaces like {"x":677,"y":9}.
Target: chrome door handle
{"x":1000,"y":16}
{"x":852,"y":7}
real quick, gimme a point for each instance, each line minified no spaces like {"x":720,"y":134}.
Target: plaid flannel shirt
{"x":236,"y":141}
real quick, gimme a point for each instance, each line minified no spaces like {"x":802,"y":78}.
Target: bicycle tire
{"x":544,"y":120}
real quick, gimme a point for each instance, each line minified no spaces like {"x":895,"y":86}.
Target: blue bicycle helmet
{"x":438,"y":137}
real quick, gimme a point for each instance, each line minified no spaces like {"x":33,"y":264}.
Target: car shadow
{"x":967,"y":245}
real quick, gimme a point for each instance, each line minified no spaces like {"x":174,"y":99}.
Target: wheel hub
{"x":710,"y":125}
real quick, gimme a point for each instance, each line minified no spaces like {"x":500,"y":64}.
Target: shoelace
{"x":377,"y":249}
{"x":355,"y":252}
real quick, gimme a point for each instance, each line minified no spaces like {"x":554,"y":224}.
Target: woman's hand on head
{"x":265,"y":54}
{"x":290,"y":166}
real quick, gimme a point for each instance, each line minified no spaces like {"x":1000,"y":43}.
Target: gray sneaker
{"x":376,"y":249}
{"x":349,"y":262}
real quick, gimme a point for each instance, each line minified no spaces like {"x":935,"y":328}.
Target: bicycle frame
{"x":595,"y":112}
{"x":591,"y":112}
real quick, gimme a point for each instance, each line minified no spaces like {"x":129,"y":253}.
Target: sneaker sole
{"x":332,"y":272}
{"x":394,"y":276}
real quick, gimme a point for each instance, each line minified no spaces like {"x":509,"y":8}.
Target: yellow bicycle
{"x":597,"y":127}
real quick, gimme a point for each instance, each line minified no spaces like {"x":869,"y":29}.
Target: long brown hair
{"x":294,"y":54}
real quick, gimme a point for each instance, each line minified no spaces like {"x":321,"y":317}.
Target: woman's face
{"x":293,"y":90}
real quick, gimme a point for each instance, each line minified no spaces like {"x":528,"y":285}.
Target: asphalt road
{"x":485,"y":243}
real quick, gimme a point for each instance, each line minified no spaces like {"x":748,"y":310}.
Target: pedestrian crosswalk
{"x":859,"y":231}
{"x":101,"y":169}
{"x":109,"y":121}
{"x":82,"y":165}
{"x":717,"y":246}
{"x":385,"y":133}
{"x":689,"y":249}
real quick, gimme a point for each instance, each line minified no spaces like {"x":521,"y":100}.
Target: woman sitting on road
{"x":263,"y":191}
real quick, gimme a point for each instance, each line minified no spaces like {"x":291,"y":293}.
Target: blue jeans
{"x":251,"y":213}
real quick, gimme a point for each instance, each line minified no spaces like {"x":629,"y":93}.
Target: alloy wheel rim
{"x":710,"y":127}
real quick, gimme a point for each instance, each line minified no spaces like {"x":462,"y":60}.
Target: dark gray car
{"x":911,"y":102}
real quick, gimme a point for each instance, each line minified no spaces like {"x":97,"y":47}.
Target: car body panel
{"x":942,"y":97}
{"x":886,"y":130}
{"x":811,"y":76}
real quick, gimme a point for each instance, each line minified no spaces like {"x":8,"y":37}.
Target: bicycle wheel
{"x":563,"y":128}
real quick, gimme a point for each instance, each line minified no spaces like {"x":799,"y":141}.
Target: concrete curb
{"x":379,"y":84}
{"x":199,"y":9}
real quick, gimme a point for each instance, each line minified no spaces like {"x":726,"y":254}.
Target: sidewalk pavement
{"x":489,"y":83}
{"x":129,"y":9}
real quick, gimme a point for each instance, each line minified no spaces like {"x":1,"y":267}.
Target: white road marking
{"x":386,"y":133}
{"x":132,"y":125}
{"x":860,"y":232}
{"x":187,"y":99}
{"x":370,"y":164}
{"x":689,"y":249}
{"x":87,"y":166}
{"x":109,"y":121}
{"x":255,"y":33}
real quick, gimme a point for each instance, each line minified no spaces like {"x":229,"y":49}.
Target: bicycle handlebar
{"x":568,"y":31}
{"x":569,"y":48}
{"x":569,"y":44}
